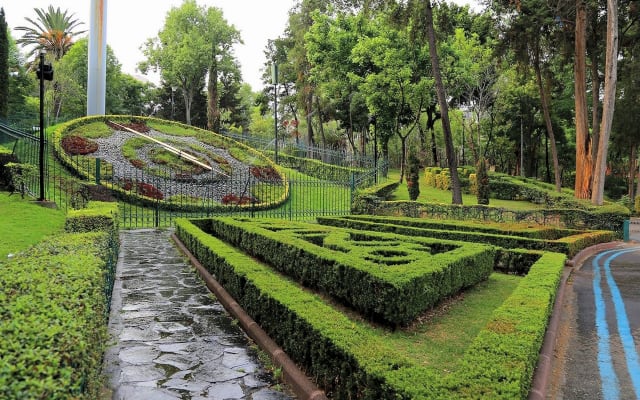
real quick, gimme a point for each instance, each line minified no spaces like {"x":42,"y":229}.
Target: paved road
{"x":172,"y":339}
{"x":597,"y":353}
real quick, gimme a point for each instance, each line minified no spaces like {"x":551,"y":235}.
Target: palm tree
{"x":51,"y":31}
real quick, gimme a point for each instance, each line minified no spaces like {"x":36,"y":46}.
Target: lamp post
{"x":44,"y":72}
{"x":274,"y":80}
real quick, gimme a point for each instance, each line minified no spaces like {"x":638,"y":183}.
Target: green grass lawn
{"x":23,"y":223}
{"x":440,"y":340}
{"x":430,"y":194}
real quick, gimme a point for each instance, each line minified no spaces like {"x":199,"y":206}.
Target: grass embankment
{"x":24,"y":223}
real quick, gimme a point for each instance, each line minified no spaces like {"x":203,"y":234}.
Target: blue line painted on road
{"x":608,"y":377}
{"x":624,"y":330}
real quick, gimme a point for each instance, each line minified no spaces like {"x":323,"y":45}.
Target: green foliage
{"x":55,"y":298}
{"x":6,"y":157}
{"x":21,"y":175}
{"x":391,"y":282}
{"x":350,"y":359}
{"x":482,"y":182}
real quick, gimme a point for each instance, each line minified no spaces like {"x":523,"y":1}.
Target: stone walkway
{"x":171,"y":338}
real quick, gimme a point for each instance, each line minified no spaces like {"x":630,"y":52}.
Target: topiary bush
{"x":413,"y":177}
{"x":482,"y":182}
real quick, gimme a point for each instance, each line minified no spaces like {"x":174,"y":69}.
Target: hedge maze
{"x":340,"y":297}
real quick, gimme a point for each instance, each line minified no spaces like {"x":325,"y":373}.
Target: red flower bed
{"x":265,"y":173}
{"x":76,"y":145}
{"x":235,"y":199}
{"x":143,"y":189}
{"x":136,"y":126}
{"x":148,"y":190}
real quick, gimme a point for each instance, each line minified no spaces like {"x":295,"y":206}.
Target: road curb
{"x":543,"y":369}
{"x":293,"y":376}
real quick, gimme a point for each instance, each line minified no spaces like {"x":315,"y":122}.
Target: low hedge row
{"x":501,"y":360}
{"x":526,"y":230}
{"x":609,"y":217}
{"x":54,"y":312}
{"x":570,"y":245}
{"x":347,"y":360}
{"x":384,"y":277}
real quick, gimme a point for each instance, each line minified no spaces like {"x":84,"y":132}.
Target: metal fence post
{"x":97,"y":171}
{"x":625,"y":227}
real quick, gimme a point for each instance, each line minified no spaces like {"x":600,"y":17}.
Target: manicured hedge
{"x":319,"y":169}
{"x":348,"y":361}
{"x":99,"y":216}
{"x":570,"y":245}
{"x":385,"y":277}
{"x":522,"y":230}
{"x":501,"y":361}
{"x":608,"y":217}
{"x":54,"y":303}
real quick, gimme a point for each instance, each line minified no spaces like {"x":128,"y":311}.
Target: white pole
{"x":97,"y":73}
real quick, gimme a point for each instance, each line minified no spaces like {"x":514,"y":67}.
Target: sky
{"x":131,"y":22}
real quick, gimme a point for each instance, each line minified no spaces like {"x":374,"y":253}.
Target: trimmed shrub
{"x":413,"y":177}
{"x":54,"y":299}
{"x":482,"y":182}
{"x":387,"y":278}
{"x":348,"y":361}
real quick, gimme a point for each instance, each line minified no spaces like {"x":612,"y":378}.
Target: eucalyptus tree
{"x":53,"y":30}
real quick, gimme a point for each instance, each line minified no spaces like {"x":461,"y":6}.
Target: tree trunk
{"x":188,"y":99}
{"x":608,"y":102}
{"x":213,"y":107}
{"x":456,"y":192}
{"x":584,"y":162}
{"x":309,"y":117}
{"x":321,"y":129}
{"x":544,"y":100}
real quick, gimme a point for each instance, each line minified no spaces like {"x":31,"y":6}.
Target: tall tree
{"x":181,"y":52}
{"x":222,"y":37}
{"x":584,"y":162}
{"x":4,"y":66}
{"x":456,"y":192}
{"x":52,"y":31}
{"x":608,"y":102}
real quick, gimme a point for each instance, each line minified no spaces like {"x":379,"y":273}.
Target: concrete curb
{"x":543,"y":369}
{"x":293,"y":376}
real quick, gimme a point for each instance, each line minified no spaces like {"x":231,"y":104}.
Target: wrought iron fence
{"x":156,"y":197}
